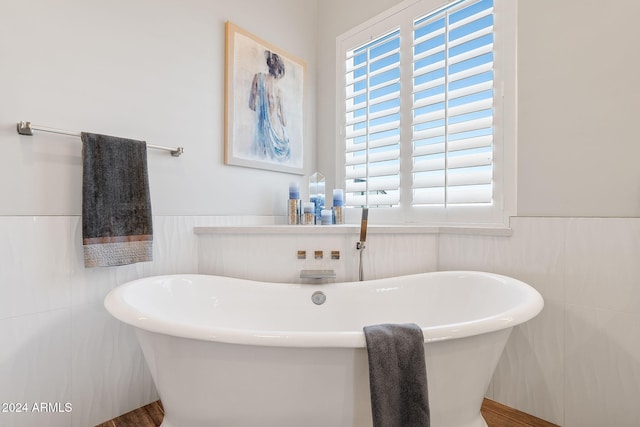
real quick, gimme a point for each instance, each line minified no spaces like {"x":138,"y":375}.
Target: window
{"x":423,"y":118}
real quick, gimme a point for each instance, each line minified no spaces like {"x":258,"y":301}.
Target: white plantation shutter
{"x":423,"y":128}
{"x":372,"y":123}
{"x":453,"y":105}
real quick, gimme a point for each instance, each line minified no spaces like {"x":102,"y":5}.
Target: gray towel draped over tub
{"x":116,"y":204}
{"x":397,"y":375}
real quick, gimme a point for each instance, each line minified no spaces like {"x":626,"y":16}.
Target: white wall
{"x":578,"y":147}
{"x":151,"y":70}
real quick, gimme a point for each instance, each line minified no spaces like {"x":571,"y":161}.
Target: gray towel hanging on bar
{"x":116,"y":204}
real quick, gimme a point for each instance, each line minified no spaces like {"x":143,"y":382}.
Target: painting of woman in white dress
{"x":264,"y":104}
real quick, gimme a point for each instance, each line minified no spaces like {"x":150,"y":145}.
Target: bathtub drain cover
{"x":318,"y":298}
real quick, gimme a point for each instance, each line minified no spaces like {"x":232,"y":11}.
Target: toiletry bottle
{"x":308,"y":217}
{"x":326,"y":217}
{"x":338,"y":203}
{"x":293,"y":212}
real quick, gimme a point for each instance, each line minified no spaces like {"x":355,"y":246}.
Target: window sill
{"x":352,"y":229}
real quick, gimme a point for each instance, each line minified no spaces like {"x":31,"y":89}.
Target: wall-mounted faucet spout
{"x":363,"y":238}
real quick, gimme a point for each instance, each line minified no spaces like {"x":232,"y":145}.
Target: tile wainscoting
{"x":577,"y":363}
{"x":59,"y":345}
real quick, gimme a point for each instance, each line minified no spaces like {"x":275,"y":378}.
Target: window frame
{"x":504,"y":118}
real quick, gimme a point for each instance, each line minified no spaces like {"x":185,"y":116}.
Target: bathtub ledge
{"x":352,"y":229}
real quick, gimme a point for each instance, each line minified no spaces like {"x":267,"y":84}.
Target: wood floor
{"x":150,"y":415}
{"x":496,"y":415}
{"x":499,"y":415}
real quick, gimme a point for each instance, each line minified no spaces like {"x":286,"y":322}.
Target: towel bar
{"x":26,"y":128}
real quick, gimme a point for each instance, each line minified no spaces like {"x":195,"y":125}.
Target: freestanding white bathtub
{"x":229,"y":352}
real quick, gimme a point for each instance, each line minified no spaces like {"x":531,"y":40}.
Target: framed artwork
{"x":264,"y":104}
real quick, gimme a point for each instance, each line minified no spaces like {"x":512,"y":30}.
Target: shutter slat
{"x":351,"y":79}
{"x":354,"y":107}
{"x":471,"y":125}
{"x":384,"y":69}
{"x":473,"y":53}
{"x":428,"y":196}
{"x":356,"y":133}
{"x":356,"y":160}
{"x":430,"y":100}
{"x":356,"y":120}
{"x":351,"y":94}
{"x":382,"y":85}
{"x":384,"y":127}
{"x":471,"y":18}
{"x":474,"y":71}
{"x":419,"y":71}
{"x":471,"y":90}
{"x":429,"y":165}
{"x":385,"y":98}
{"x":428,"y":149}
{"x":384,"y":183}
{"x":373,"y":116}
{"x":386,"y":171}
{"x":428,"y":85}
{"x":429,"y":181}
{"x":429,"y":117}
{"x":428,"y":36}
{"x":474,"y":177}
{"x":469,"y":160}
{"x":427,"y":53}
{"x":470,"y":107}
{"x":388,"y":199}
{"x":471,"y":143}
{"x":472,"y":36}
{"x":380,"y":142}
{"x":355,"y":185}
{"x":429,"y":133}
{"x":383,"y":156}
{"x":356,"y":173}
{"x":469,"y":194}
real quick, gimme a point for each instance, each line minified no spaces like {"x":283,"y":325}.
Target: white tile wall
{"x":578,"y":363}
{"x":603,"y":268}
{"x":58,"y":342}
{"x":108,"y":370}
{"x":602,"y":367}
{"x":34,"y":261}
{"x":35,"y":366}
{"x":602,"y":322}
{"x":273,"y":257}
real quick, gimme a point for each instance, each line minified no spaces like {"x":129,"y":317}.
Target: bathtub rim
{"x":121,"y":310}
